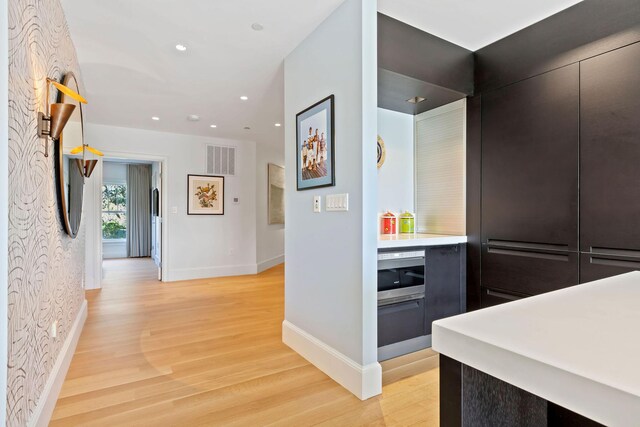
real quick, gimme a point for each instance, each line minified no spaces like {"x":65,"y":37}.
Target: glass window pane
{"x":114,"y":225}
{"x":114,"y":197}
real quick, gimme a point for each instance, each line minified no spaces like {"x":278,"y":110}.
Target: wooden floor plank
{"x":210,"y":352}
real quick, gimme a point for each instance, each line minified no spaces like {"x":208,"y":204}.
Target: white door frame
{"x":94,"y":255}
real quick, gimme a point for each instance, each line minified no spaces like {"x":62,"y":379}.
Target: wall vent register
{"x":221,"y":160}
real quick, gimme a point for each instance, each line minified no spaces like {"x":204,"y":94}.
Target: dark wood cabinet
{"x":595,"y":266}
{"x":445,"y":282}
{"x":530,"y":146}
{"x":527,"y":270}
{"x":491,"y":297}
{"x":610,"y":154}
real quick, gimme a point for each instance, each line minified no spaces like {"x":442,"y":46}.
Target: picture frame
{"x":275,"y":194}
{"x":205,"y":195}
{"x":315,"y":145}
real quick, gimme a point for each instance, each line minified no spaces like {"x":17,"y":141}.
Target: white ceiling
{"x":472,"y":24}
{"x":132,"y":71}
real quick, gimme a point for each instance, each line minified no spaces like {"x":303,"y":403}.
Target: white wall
{"x":195,"y":246}
{"x":330,"y":279}
{"x":4,"y":213}
{"x":395,"y":177}
{"x":270,"y":237}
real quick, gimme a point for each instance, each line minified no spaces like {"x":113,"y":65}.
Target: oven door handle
{"x":396,"y":300}
{"x":385,"y":264}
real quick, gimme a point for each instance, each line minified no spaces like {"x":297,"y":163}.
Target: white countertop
{"x":417,"y":239}
{"x":577,"y":347}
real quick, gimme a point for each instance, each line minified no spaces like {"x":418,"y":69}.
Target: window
{"x":114,"y":211}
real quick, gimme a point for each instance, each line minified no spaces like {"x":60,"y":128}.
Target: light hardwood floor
{"x":209,"y":352}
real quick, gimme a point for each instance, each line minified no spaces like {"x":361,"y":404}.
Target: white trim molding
{"x":363,"y":381}
{"x":267,"y":264}
{"x":179,"y":274}
{"x":47,"y":402}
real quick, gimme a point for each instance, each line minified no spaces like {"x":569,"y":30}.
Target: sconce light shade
{"x":60,"y":114}
{"x":86,"y":166}
{"x":62,"y":88}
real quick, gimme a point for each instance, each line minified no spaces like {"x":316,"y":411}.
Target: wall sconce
{"x":86,"y":166}
{"x":51,"y":123}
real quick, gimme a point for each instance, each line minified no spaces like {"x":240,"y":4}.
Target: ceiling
{"x":132,"y":71}
{"x":472,"y":24}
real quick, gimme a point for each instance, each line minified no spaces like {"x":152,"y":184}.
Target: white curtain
{"x":139,"y":211}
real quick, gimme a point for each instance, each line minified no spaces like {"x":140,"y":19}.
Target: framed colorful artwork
{"x":205,"y":195}
{"x":315,"y":145}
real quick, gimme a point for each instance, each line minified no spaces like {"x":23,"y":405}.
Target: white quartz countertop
{"x":417,"y":239}
{"x":577,"y":347}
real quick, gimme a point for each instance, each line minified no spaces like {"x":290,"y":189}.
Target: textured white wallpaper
{"x":45,"y":265}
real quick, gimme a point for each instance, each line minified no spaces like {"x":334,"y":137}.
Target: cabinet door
{"x":527,"y":269}
{"x":490,"y":297}
{"x":530,"y":160}
{"x":610,"y":151}
{"x":445,"y":290}
{"x":595,"y":266}
{"x":400,"y":321}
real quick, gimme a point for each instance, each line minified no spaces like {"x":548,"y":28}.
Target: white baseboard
{"x":362,"y":381}
{"x":47,"y":403}
{"x":175,"y":275}
{"x":267,"y":264}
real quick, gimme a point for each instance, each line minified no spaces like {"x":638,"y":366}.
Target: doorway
{"x":127,"y":230}
{"x":129,"y":217}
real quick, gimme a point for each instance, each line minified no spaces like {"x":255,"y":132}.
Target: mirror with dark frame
{"x":70,"y":177}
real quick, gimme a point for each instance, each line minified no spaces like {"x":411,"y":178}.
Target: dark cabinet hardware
{"x":635,"y":265}
{"x":542,"y":255}
{"x":616,"y":252}
{"x":526,"y":245}
{"x":503,"y":295}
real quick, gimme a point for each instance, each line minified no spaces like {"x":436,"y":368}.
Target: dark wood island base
{"x":469,"y":397}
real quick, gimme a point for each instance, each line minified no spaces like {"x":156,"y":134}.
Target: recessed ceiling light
{"x":278,"y":125}
{"x":257,"y":27}
{"x":244,"y":98}
{"x":156,"y":118}
{"x":181,"y":47}
{"x":213,"y":126}
{"x":416,"y":100}
{"x":193,"y":117}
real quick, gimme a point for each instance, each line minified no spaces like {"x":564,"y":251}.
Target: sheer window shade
{"x":440,"y":170}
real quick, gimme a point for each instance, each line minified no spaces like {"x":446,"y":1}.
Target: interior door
{"x":159,"y":224}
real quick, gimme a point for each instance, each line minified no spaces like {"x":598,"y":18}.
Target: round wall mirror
{"x":70,"y":177}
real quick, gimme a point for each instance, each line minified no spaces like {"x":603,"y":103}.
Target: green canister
{"x":406,"y":221}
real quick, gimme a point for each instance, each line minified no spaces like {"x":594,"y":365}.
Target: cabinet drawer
{"x":595,"y":266}
{"x":491,"y":297}
{"x":528,"y":271}
{"x":400,"y":321}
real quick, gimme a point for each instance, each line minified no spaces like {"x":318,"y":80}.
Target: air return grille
{"x":221,"y":160}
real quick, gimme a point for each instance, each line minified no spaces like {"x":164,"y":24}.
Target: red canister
{"x":388,"y":223}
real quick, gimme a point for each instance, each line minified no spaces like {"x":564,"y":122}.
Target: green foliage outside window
{"x":114,"y":211}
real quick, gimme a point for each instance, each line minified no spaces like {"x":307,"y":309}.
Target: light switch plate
{"x":338,"y":202}
{"x":317,"y":204}
{"x":174,"y":209}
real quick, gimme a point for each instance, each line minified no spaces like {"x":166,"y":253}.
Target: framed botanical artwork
{"x":275,"y":194}
{"x":205,"y":195}
{"x":315,"y":145}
